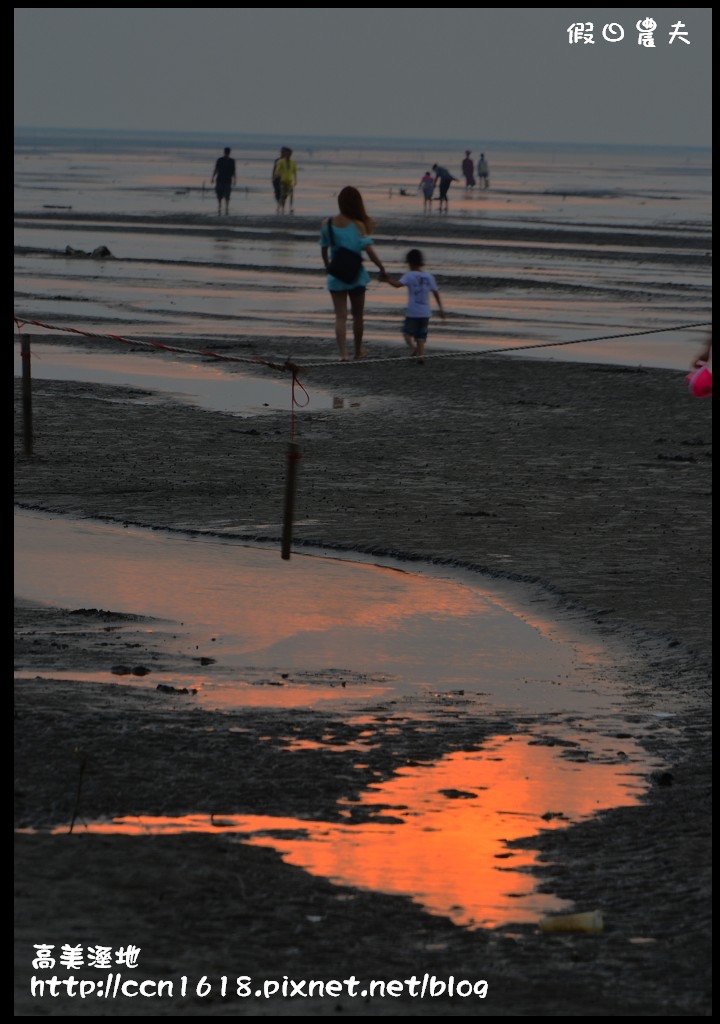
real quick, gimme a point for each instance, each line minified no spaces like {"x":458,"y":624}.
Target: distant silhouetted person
{"x":468,"y":169}
{"x":483,"y":171}
{"x":427,"y":187}
{"x":445,"y":179}
{"x":275,"y":178}
{"x":224,"y":178}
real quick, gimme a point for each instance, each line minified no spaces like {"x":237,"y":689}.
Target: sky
{"x":502,"y":74}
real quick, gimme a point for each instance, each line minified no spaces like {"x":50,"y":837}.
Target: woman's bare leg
{"x":357,"y":307}
{"x":340,"y":305}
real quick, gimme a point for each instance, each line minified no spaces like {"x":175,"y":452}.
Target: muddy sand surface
{"x":592,"y":484}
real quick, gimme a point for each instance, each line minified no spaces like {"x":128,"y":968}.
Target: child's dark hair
{"x":415,"y":258}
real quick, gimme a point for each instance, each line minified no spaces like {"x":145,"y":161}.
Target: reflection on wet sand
{"x":441,"y":834}
{"x":215,"y":386}
{"x":357,"y":629}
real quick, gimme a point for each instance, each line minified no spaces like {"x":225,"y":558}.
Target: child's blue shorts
{"x":416,"y":327}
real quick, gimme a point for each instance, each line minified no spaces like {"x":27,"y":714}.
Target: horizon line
{"x":399,"y":140}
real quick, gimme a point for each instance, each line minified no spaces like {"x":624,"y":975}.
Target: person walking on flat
{"x":224,"y":178}
{"x":445,"y":179}
{"x":483,"y":171}
{"x":284,"y":179}
{"x":349,"y":229}
{"x":468,"y":169}
{"x":427,"y":187}
{"x":420,"y":285}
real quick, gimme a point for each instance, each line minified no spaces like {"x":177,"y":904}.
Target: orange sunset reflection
{"x":244,"y":607}
{"x":439,"y":834}
{"x":166,"y":577}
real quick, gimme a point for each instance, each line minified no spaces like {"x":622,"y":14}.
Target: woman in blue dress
{"x":351,"y":229}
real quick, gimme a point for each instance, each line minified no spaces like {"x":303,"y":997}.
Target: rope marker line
{"x":295,"y":370}
{"x":379,"y":359}
{"x":523,"y":348}
{"x":294,"y":454}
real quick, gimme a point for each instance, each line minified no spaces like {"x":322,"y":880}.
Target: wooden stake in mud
{"x":294,"y":457}
{"x":26,"y":393}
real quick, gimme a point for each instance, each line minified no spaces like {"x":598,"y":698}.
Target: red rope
{"x":135,"y":341}
{"x":295,"y":404}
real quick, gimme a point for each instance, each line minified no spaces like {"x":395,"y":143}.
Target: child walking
{"x":420,"y":284}
{"x":427,"y":187}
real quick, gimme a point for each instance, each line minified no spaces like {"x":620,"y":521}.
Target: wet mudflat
{"x":235,"y":627}
{"x":591,"y":483}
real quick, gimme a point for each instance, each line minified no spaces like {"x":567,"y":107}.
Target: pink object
{"x":700,"y":382}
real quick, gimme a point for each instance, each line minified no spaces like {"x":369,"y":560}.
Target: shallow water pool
{"x":375,"y":644}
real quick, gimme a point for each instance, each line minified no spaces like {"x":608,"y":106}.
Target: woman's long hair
{"x":351,"y":205}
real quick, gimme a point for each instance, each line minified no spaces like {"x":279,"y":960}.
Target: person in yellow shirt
{"x":284,"y":179}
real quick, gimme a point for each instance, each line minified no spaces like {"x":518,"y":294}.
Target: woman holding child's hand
{"x":350,"y":229}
